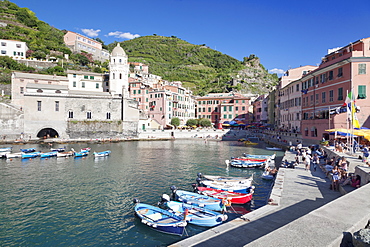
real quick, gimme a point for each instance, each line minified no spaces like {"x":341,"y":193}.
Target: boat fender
{"x":226,"y":202}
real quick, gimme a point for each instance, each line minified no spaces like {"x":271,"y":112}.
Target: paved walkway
{"x":286,"y":221}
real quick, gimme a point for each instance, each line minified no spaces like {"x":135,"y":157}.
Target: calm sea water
{"x":88,"y":201}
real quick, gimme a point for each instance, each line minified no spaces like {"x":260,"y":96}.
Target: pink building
{"x":221,"y":107}
{"x":341,"y":71}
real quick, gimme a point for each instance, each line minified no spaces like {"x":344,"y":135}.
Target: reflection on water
{"x":88,"y":201}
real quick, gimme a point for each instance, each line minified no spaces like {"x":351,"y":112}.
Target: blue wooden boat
{"x":57,"y":149}
{"x":160,"y":219}
{"x":49,"y":154}
{"x":80,"y":154}
{"x":7,"y":149}
{"x":102,"y":154}
{"x":30,"y":155}
{"x":254,"y":156}
{"x":28,"y":150}
{"x":196,"y":215}
{"x":195,"y":199}
{"x":245,"y":164}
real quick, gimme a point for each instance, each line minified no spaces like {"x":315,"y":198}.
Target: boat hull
{"x":198,"y":200}
{"x":196,"y":215}
{"x":160,"y":220}
{"x":235,"y":198}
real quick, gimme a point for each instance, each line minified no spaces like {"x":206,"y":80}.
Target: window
{"x":297,"y":116}
{"x":88,"y":115}
{"x":297,"y":88}
{"x":86,"y":77}
{"x":323,"y":97}
{"x":38,"y":105}
{"x":361,"y":92}
{"x":114,"y":77}
{"x":225,"y":116}
{"x":236,"y":108}
{"x":97,"y":85}
{"x":3,"y":52}
{"x":74,"y":84}
{"x":83,"y":84}
{"x":74,"y":75}
{"x":120,"y":75}
{"x":230,"y":108}
{"x":340,"y":72}
{"x":70,"y":114}
{"x":22,"y":90}
{"x":340,"y":93}
{"x":18,"y":45}
{"x":108,"y":115}
{"x":243,"y":108}
{"x":230,"y":116}
{"x":362,"y":69}
{"x":209,"y":109}
{"x":225,"y":108}
{"x":56,"y":105}
{"x":3,"y":44}
{"x":331,"y":75}
{"x":331,"y":95}
{"x":91,"y":77}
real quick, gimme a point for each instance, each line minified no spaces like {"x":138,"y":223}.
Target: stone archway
{"x":47,"y":133}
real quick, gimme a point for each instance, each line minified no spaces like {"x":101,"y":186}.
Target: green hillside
{"x":200,"y":68}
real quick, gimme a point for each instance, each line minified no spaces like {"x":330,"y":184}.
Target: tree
{"x":192,"y":122}
{"x":205,"y":122}
{"x":175,"y":121}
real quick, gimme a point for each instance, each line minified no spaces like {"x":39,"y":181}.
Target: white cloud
{"x":122,"y":35}
{"x":277,"y":71}
{"x":91,"y":32}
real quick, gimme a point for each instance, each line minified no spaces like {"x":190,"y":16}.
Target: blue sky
{"x":283,"y":34}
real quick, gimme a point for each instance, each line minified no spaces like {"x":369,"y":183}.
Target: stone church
{"x":81,"y":105}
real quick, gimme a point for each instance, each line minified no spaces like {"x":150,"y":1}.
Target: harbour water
{"x":88,"y":201}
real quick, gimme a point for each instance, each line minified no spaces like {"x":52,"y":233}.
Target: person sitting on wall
{"x":354,"y":181}
{"x":335,"y":178}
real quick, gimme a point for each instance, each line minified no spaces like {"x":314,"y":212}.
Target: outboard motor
{"x":199,"y":181}
{"x":200,"y":175}
{"x":135,"y":200}
{"x":194,"y":187}
{"x":173,"y":189}
{"x":164,"y":198}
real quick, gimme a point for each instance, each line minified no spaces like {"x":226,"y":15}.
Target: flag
{"x":350,"y":103}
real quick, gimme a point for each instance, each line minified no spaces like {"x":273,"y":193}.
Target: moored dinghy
{"x":197,"y":199}
{"x":102,"y":154}
{"x":49,"y":154}
{"x":233,"y":197}
{"x":28,"y":150}
{"x":30,"y":155}
{"x":160,"y":219}
{"x":193,"y":214}
{"x":232,"y":187}
{"x":224,"y":178}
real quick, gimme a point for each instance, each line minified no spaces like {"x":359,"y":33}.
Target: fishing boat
{"x":80,"y":154}
{"x":250,"y":143}
{"x":160,"y":219}
{"x":267,"y":176}
{"x":57,"y":149}
{"x":30,"y":155}
{"x":4,"y":153}
{"x":64,"y":154}
{"x":251,"y":159}
{"x":13,"y":155}
{"x":274,"y":148}
{"x":234,"y":197}
{"x":223,"y":178}
{"x":229,"y":186}
{"x":7,"y":149}
{"x":85,"y":149}
{"x":49,"y":154}
{"x":102,"y":154}
{"x":193,"y":214}
{"x":254,"y":156}
{"x":196,"y":199}
{"x":28,"y":150}
{"x":245,"y":164}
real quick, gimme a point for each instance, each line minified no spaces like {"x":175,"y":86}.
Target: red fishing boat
{"x":232,"y":197}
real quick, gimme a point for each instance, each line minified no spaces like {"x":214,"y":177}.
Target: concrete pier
{"x":303,"y":211}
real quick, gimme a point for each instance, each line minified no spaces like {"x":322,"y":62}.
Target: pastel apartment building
{"x":342,"y":70}
{"x":222,"y":107}
{"x":77,"y":43}
{"x":13,"y":48}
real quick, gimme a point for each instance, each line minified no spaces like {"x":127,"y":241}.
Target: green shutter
{"x":361,"y":92}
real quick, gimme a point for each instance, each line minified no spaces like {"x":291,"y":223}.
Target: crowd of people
{"x":335,"y":168}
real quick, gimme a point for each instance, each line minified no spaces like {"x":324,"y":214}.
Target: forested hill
{"x":200,"y":68}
